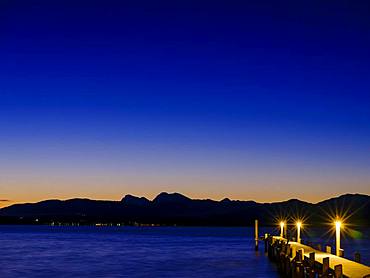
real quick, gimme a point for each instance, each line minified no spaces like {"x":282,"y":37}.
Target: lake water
{"x":45,"y":251}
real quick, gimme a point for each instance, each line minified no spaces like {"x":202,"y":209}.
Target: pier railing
{"x":297,"y":260}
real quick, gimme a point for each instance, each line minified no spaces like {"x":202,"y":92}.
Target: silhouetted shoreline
{"x":178,"y":210}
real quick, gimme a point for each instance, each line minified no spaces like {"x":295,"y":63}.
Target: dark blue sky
{"x":209,"y":98}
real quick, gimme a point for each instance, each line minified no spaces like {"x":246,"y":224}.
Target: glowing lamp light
{"x":299,"y":225}
{"x":338,"y":224}
{"x":282,"y":228}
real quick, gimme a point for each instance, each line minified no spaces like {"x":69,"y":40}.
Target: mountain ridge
{"x":178,"y":209}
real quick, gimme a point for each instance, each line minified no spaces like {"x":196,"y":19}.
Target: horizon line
{"x":174,"y":192}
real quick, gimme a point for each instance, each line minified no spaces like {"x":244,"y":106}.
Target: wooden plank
{"x":350,"y":268}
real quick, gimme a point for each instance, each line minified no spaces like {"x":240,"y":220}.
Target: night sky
{"x":263,"y":100}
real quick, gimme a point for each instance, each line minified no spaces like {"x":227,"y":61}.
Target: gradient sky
{"x":263,"y":100}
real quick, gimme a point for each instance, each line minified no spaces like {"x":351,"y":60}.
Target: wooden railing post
{"x":325,"y":266}
{"x":338,"y":271}
{"x":299,"y":255}
{"x":312,"y":260}
{"x":256,"y":234}
{"x":328,"y":249}
{"x":266,"y":242}
{"x":341,"y":253}
{"x":357,"y":257}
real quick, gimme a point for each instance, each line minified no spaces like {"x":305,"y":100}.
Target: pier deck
{"x":350,"y":268}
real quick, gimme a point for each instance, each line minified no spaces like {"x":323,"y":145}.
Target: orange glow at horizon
{"x":37,"y":189}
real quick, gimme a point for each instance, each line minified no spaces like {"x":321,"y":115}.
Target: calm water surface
{"x":44,"y":251}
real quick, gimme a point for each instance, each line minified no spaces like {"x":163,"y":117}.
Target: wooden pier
{"x":297,"y":260}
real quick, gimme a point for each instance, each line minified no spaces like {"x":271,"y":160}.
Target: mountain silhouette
{"x":171,"y":198}
{"x":177,"y":209}
{"x":135,"y":201}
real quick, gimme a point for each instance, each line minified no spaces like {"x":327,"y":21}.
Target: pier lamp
{"x":338,"y":224}
{"x":299,"y":225}
{"x":282,"y":228}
